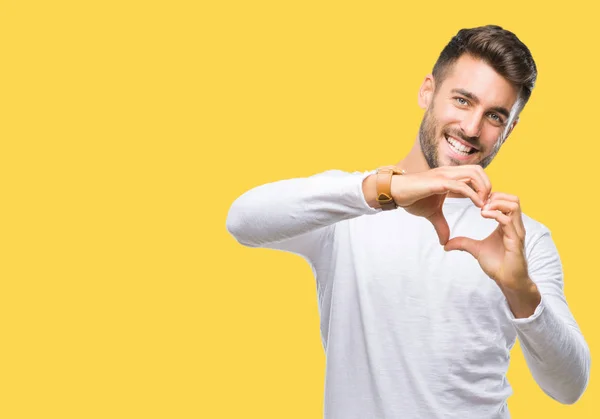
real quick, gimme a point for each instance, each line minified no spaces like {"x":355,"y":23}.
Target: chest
{"x":400,"y":270}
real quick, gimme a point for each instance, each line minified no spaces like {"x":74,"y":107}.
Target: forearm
{"x":556,"y":353}
{"x":369,"y":188}
{"x":288,"y":208}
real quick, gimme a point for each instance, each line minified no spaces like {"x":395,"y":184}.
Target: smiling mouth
{"x":458,"y":147}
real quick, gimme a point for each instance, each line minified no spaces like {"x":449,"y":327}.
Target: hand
{"x":423,"y":193}
{"x":501,"y":255}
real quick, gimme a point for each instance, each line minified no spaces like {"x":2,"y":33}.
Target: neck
{"x":414,"y":162}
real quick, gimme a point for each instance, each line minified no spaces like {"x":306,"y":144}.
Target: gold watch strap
{"x":384,"y":186}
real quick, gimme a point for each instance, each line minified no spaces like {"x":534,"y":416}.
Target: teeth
{"x":459,"y":147}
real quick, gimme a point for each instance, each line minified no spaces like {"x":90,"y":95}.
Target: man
{"x":411,"y":327}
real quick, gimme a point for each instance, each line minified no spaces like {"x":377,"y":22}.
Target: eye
{"x":496,"y":118}
{"x":461,"y":101}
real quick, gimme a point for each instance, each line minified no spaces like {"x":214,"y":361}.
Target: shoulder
{"x":533,"y":228}
{"x":538,"y":241}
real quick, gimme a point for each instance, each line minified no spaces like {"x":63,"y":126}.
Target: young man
{"x":412,"y":328}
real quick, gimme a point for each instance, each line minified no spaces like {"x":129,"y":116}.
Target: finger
{"x":441,"y":226}
{"x":464,"y":243}
{"x":463,"y":189}
{"x":510,"y":208}
{"x":504,"y":196}
{"x":483,"y":179}
{"x":473,"y":174}
{"x":507,"y":207}
{"x":505,"y":222}
{"x":486,"y":179}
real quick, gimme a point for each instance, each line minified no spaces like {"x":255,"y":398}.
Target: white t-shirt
{"x":410,"y":330}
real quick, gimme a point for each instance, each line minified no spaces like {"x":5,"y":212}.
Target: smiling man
{"x":411,"y":327}
{"x":474,"y":105}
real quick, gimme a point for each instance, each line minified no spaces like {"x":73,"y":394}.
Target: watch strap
{"x":384,"y":186}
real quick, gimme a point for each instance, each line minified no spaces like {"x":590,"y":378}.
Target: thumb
{"x":463,"y":243}
{"x":441,"y":226}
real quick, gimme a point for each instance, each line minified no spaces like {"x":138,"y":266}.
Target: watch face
{"x":384,"y":198}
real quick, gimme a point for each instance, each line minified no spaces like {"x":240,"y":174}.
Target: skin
{"x":451,"y":109}
{"x":449,"y":112}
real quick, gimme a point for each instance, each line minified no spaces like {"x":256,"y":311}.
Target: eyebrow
{"x":467,"y":94}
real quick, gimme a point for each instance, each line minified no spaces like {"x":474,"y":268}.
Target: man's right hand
{"x":423,"y":193}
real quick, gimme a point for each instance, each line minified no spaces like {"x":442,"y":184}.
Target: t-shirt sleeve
{"x":553,"y":345}
{"x":299,"y":215}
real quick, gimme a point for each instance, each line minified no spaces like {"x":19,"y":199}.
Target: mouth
{"x":458,"y":147}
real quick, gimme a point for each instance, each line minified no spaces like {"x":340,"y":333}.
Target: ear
{"x":426,"y":92}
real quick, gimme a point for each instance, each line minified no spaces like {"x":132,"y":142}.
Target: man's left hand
{"x":501,"y":255}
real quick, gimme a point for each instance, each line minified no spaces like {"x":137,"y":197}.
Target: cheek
{"x":490,"y":137}
{"x":449,"y":116}
{"x":452,"y":113}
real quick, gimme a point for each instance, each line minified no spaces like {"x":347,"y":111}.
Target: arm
{"x":298,"y":215}
{"x":553,"y":345}
{"x":529,"y":273}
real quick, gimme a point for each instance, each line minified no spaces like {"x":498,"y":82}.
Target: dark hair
{"x":499,"y":48}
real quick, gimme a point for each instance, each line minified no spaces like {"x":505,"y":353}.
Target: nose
{"x":471,"y":125}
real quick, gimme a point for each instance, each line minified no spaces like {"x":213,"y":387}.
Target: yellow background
{"x":129,"y":127}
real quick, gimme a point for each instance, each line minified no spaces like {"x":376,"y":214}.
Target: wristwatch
{"x":384,"y":186}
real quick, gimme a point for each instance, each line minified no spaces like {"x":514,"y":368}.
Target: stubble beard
{"x":428,"y":140}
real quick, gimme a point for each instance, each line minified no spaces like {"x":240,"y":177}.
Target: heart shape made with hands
{"x":501,"y":255}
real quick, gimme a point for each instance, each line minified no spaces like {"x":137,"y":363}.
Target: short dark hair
{"x":499,"y":48}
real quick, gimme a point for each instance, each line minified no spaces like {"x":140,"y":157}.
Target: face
{"x":468,"y":116}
